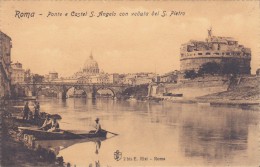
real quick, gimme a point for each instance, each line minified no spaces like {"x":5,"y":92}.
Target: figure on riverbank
{"x":55,"y":127}
{"x":26,"y":111}
{"x":30,"y":115}
{"x":47,"y":123}
{"x":36,"y":110}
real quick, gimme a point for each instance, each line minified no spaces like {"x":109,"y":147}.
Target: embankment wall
{"x":204,"y":86}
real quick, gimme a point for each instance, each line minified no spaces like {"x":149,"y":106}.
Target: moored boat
{"x":37,"y":122}
{"x":61,"y":135}
{"x":29,"y":98}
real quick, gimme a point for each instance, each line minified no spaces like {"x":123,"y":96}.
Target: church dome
{"x":90,"y":66}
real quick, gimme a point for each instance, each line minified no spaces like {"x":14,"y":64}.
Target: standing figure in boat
{"x":26,"y":111}
{"x":55,"y":127}
{"x":47,"y":123}
{"x":97,"y":126}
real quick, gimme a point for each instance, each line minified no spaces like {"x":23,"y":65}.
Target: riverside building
{"x":17,"y":75}
{"x":214,"y":49}
{"x":5,"y":65}
{"x":90,"y":74}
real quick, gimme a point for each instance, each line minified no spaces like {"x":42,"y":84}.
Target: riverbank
{"x":206,"y":100}
{"x":246,"y":96}
{"x":15,"y":152}
{"x":243,"y":91}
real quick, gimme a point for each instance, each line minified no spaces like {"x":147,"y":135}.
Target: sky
{"x":122,"y":44}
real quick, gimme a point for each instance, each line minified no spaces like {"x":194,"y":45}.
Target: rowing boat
{"x":61,"y":135}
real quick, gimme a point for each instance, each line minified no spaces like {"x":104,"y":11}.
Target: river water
{"x":157,"y":134}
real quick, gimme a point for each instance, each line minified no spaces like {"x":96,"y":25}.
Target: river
{"x":157,"y":134}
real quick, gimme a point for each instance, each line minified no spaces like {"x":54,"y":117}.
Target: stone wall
{"x":194,"y":63}
{"x":194,"y":88}
{"x":205,"y":86}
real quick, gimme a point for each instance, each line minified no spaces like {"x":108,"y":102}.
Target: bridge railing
{"x":76,"y":84}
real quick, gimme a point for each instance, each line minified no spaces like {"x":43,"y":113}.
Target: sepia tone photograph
{"x":129,"y":83}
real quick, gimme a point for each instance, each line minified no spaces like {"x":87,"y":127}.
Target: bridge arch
{"x":74,"y":91}
{"x":104,"y":88}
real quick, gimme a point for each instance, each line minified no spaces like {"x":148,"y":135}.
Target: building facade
{"x":91,"y":66}
{"x":137,"y":78}
{"x":90,"y":74}
{"x":170,"y":77}
{"x":215,"y":49}
{"x":18,"y":73}
{"x":5,"y":65}
{"x":53,"y":75}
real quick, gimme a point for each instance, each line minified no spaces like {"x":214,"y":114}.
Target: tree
{"x":190,"y":74}
{"x":32,"y":78}
{"x":37,"y":78}
{"x":27,"y":76}
{"x":210,"y":68}
{"x":231,"y":67}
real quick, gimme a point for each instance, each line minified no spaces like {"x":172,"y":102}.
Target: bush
{"x":230,"y":68}
{"x":209,"y":68}
{"x":190,"y":74}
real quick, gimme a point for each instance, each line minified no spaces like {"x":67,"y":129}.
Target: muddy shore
{"x":15,"y":152}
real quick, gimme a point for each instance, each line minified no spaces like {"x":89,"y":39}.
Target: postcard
{"x":129,"y":83}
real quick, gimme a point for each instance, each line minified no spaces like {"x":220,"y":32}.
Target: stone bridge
{"x":62,"y":88}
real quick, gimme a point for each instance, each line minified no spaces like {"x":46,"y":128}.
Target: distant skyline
{"x":122,"y":44}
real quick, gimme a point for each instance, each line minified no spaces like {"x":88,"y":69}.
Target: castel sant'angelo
{"x":215,"y":49}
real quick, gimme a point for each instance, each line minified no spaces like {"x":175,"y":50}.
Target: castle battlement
{"x":215,"y":48}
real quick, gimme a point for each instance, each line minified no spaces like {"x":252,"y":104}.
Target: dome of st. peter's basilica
{"x":90,"y":66}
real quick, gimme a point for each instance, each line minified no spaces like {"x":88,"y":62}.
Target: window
{"x":199,"y":53}
{"x":208,"y":53}
{"x":216,"y":53}
{"x":227,"y":53}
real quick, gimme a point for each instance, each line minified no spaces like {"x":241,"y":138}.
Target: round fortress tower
{"x":215,"y":49}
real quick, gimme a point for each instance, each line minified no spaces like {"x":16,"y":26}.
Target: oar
{"x":110,"y":132}
{"x":65,"y":122}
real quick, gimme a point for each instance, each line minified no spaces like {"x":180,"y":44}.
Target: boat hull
{"x":62,"y":135}
{"x":29,"y":98}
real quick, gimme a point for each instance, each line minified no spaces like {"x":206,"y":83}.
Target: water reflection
{"x":59,"y":145}
{"x":98,"y":145}
{"x":216,"y":135}
{"x":185,"y":134}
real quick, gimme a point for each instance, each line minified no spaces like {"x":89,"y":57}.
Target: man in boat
{"x":26,"y":111}
{"x":97,"y":126}
{"x":47,"y":123}
{"x":55,"y":127}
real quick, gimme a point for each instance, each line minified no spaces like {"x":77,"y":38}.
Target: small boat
{"x":29,"y":98}
{"x":173,"y":95}
{"x":61,"y":135}
{"x":37,"y":122}
{"x":177,"y":95}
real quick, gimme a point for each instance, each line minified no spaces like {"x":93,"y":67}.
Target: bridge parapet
{"x":76,"y":84}
{"x":63,"y":87}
